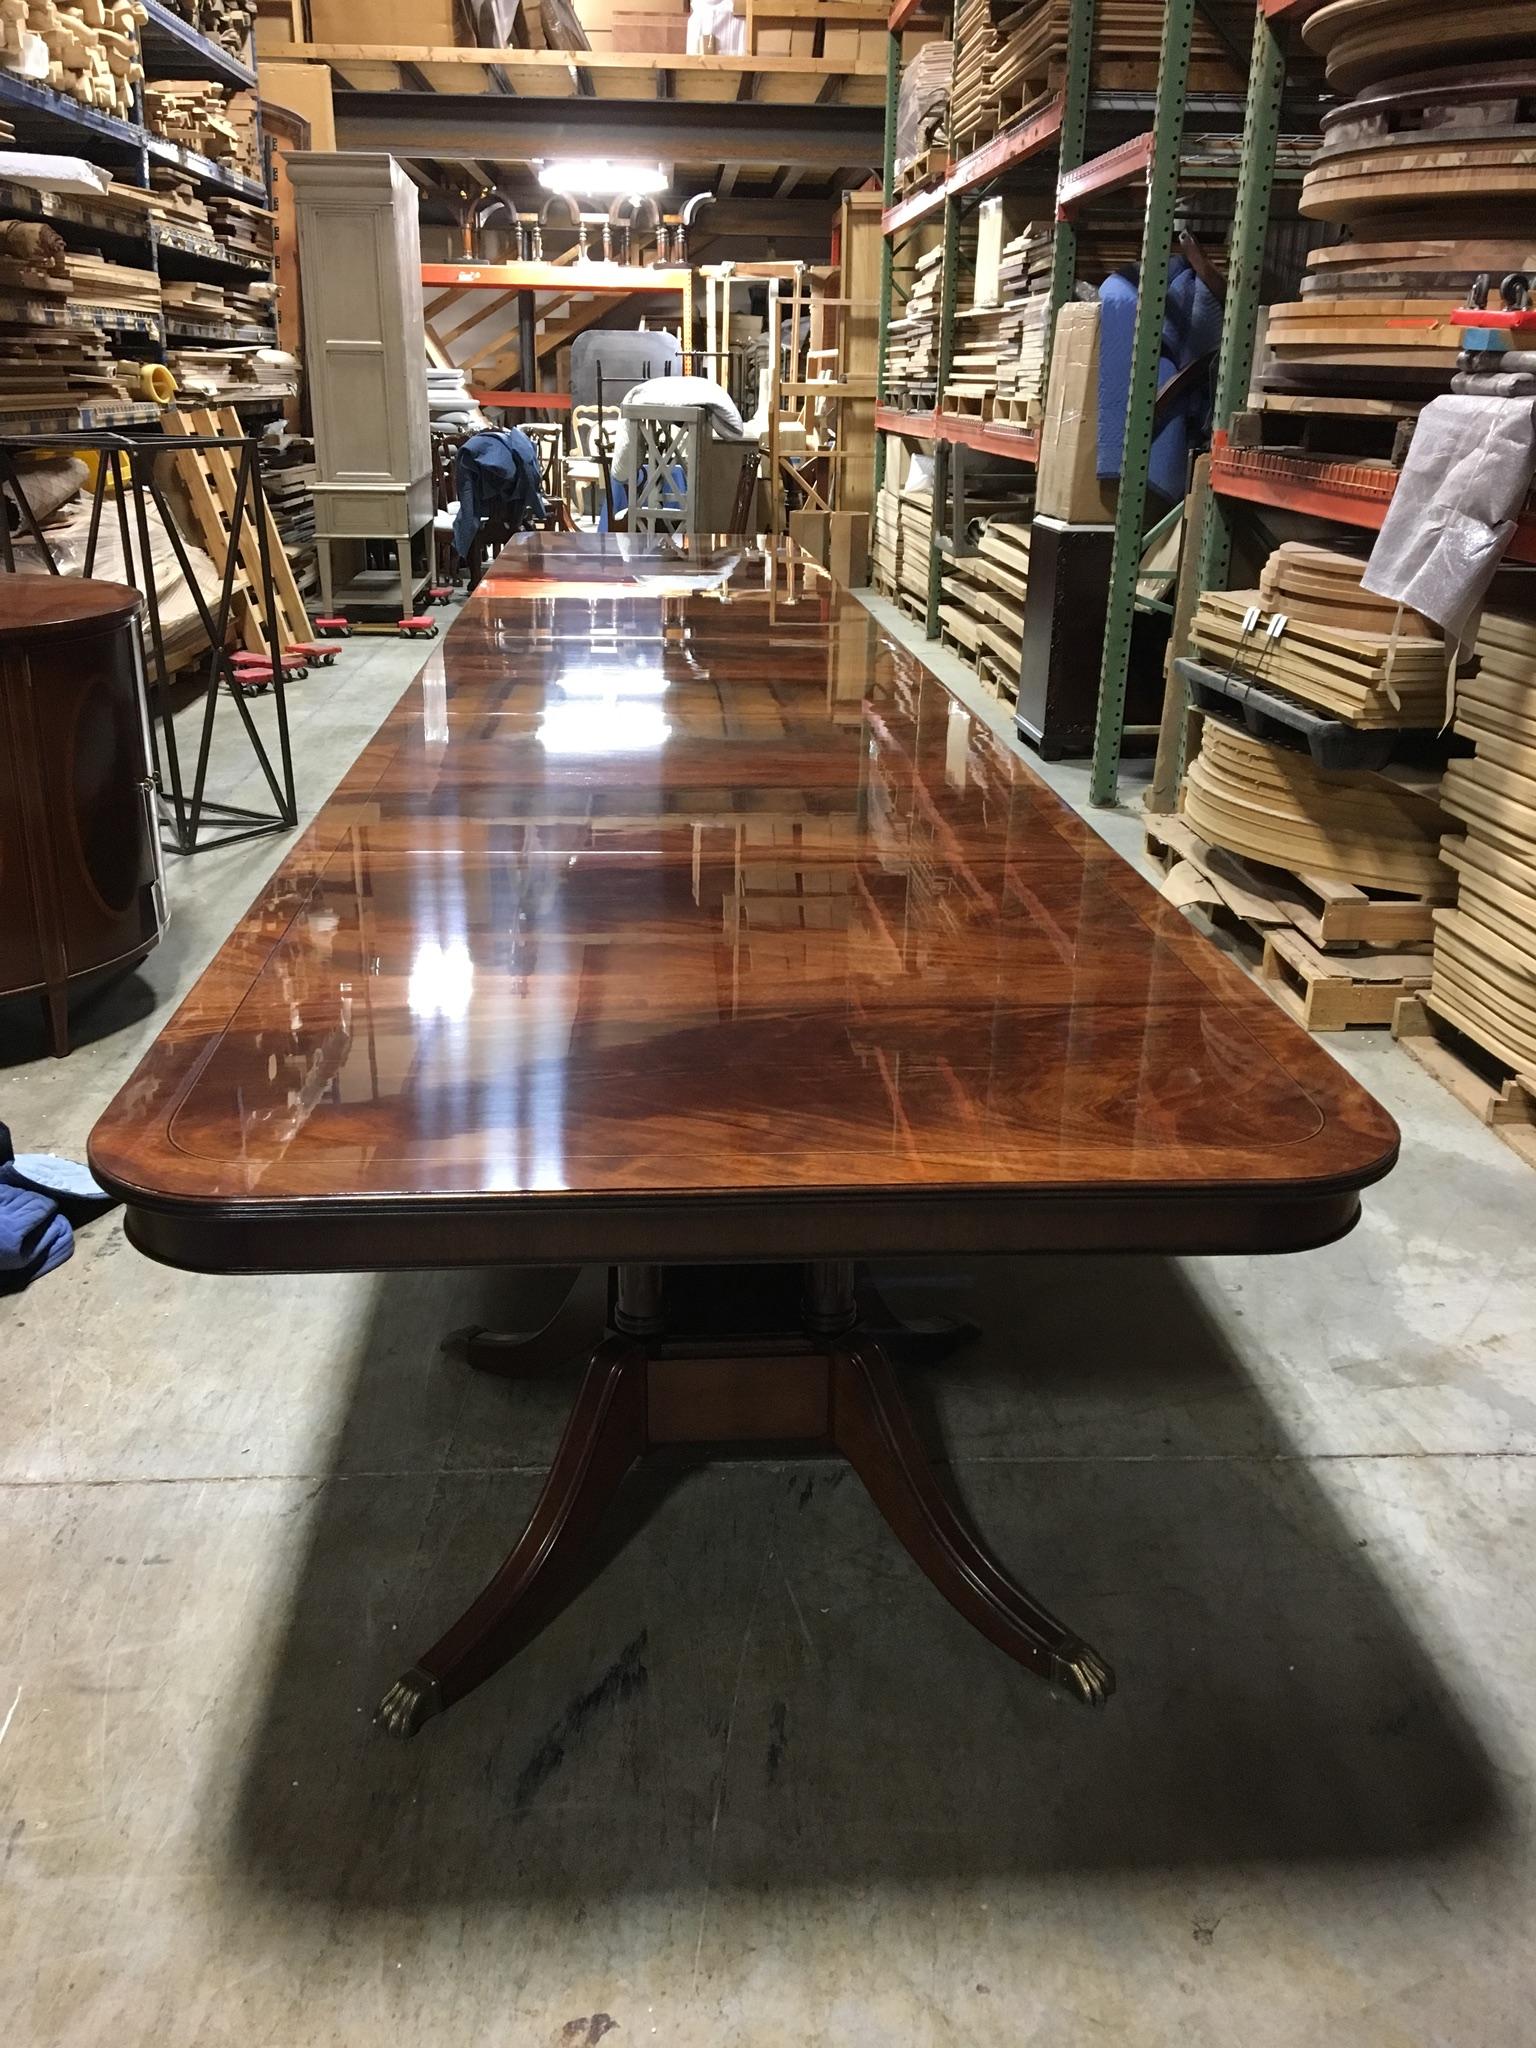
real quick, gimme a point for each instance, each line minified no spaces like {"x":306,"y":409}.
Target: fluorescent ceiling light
{"x":601,"y":177}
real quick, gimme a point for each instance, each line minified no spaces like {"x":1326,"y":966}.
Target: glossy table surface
{"x":677,"y":912}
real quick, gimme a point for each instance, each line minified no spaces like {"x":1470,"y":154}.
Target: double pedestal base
{"x":677,"y":1365}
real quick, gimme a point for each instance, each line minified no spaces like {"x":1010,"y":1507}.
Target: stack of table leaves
{"x":1360,"y":657}
{"x":1485,"y":949}
{"x":1273,"y":805}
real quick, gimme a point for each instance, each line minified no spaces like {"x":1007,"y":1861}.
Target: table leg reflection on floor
{"x":727,"y":1361}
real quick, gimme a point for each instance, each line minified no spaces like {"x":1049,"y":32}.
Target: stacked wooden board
{"x":981,"y":604}
{"x":999,"y":350}
{"x":1339,"y":649}
{"x":88,"y":49}
{"x":1010,"y":57}
{"x":902,"y":536}
{"x":1272,"y":805}
{"x":1432,"y":170}
{"x":1485,"y":948}
{"x":912,"y":346}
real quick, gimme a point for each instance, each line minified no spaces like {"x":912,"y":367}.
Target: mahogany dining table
{"x":680,"y":926}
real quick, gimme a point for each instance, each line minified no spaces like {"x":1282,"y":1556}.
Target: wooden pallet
{"x":1331,"y":916}
{"x":928,"y":168}
{"x":1332,"y":991}
{"x":1495,"y":1094}
{"x":1346,"y":429}
{"x":208,"y":476}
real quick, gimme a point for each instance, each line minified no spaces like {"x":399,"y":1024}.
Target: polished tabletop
{"x":676,"y":911}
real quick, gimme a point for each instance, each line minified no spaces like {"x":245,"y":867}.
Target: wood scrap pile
{"x":1269,"y":804}
{"x":1340,"y":649}
{"x":222,"y":376}
{"x":207,"y":118}
{"x":225,"y":22}
{"x":912,"y":351}
{"x":1011,"y":57}
{"x":1485,"y":948}
{"x":1432,"y":169}
{"x":88,"y":49}
{"x":175,"y":200}
{"x":981,"y":606}
{"x":53,"y":357}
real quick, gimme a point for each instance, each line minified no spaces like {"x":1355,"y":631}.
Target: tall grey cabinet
{"x":365,"y":357}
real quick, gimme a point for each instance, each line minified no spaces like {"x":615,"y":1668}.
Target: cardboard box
{"x":808,"y":531}
{"x":848,"y":548}
{"x":1067,"y":483}
{"x":408,"y":22}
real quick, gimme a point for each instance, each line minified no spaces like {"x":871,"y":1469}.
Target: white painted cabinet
{"x":365,"y":358}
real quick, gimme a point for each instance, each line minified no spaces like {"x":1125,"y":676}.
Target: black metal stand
{"x":129,"y":459}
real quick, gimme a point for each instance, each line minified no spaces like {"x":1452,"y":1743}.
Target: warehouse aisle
{"x":760,"y":1785}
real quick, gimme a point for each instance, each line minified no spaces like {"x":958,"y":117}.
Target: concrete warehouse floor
{"x":760,"y":1785}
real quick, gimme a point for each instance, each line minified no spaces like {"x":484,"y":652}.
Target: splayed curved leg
{"x":568,"y":1336}
{"x":873,"y":1429}
{"x":552,"y":1559}
{"x":916,"y":1340}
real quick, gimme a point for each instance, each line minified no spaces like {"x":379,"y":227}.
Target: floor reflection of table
{"x":678,"y":923}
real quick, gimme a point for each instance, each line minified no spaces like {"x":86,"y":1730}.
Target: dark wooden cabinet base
{"x":660,"y":1381}
{"x":80,"y":880}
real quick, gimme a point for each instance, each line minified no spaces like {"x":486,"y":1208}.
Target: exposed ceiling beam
{"x":729,"y":173}
{"x":703,"y":132}
{"x":787,"y":180}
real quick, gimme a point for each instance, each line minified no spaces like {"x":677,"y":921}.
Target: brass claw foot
{"x":1081,"y":1670}
{"x":409,"y":1702}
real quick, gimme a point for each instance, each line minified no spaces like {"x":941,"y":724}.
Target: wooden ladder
{"x":210,"y":478}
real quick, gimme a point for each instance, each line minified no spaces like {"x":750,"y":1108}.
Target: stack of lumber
{"x":902,"y":530}
{"x":1485,"y":948}
{"x":1272,"y":805}
{"x":53,"y":358}
{"x":912,"y":350}
{"x":1432,"y":170}
{"x":240,"y":227}
{"x":1011,"y":54}
{"x":1024,"y":281}
{"x":1340,"y":649}
{"x":113,"y":287}
{"x":981,"y":607}
{"x":175,"y":200}
{"x":88,"y":49}
{"x":200,"y":115}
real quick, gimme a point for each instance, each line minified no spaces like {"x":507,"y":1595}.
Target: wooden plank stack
{"x":1009,"y":58}
{"x":1485,"y":948}
{"x":1340,"y":650}
{"x":912,"y":351}
{"x":902,"y":530}
{"x":981,"y":607}
{"x":88,"y":49}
